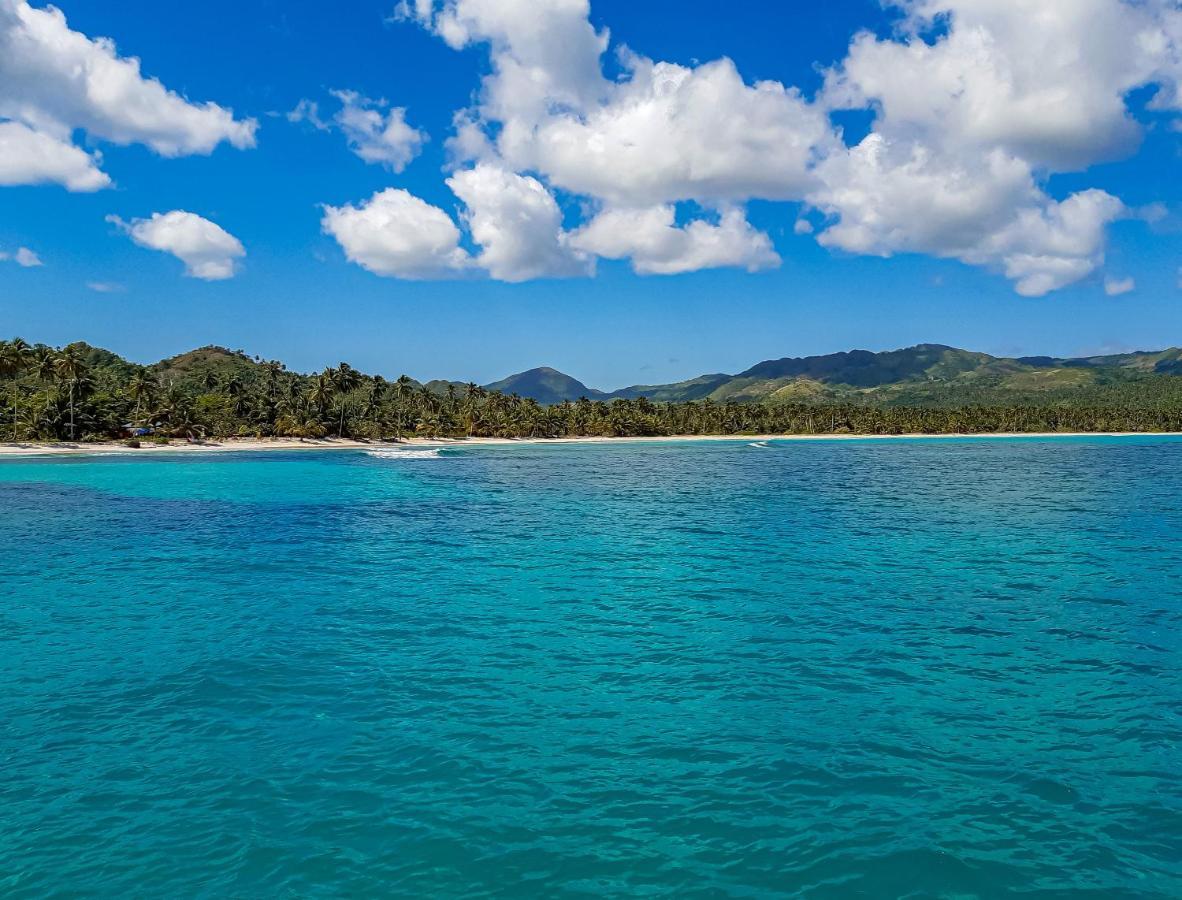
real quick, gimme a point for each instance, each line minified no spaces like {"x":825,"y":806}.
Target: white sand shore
{"x":237,"y":445}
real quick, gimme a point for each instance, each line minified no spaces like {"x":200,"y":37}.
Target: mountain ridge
{"x":924,"y":373}
{"x":932,"y":375}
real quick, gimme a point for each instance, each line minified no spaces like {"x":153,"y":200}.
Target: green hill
{"x":83,"y":392}
{"x":932,"y":375}
{"x":545,"y":385}
{"x":207,"y":365}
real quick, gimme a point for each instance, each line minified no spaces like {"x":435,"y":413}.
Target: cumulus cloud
{"x":887,"y":198}
{"x":23,"y":257}
{"x":967,"y":126}
{"x":512,"y":218}
{"x":975,"y":103}
{"x":207,"y":250}
{"x":1046,"y":84}
{"x":55,"y":81}
{"x":31,"y":157}
{"x":375,"y":134}
{"x":105,"y":287}
{"x":672,"y":133}
{"x":664,"y":133}
{"x":544,"y":55}
{"x":547,"y":118}
{"x":396,"y":234}
{"x":657,"y":246}
{"x":1115,"y":287}
{"x":517,"y":224}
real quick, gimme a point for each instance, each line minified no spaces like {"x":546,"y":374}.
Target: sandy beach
{"x":239,"y":445}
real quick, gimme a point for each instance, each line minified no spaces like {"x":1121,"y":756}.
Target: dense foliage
{"x":83,"y":393}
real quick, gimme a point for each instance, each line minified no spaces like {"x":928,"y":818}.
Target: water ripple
{"x":834,"y":670}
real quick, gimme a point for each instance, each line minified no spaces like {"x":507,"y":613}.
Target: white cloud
{"x":23,"y":257}
{"x":513,"y":218}
{"x":105,"y":287}
{"x":665,"y":133}
{"x":398,"y":235}
{"x":1046,"y":84}
{"x":55,"y":81}
{"x":27,"y":258}
{"x":657,"y":246}
{"x":30,"y":157}
{"x":970,"y":118}
{"x":376,"y":135}
{"x":517,"y":224}
{"x":889,"y":198}
{"x":543,"y":54}
{"x":1115,"y":287}
{"x":307,"y":111}
{"x":208,"y":251}
{"x":673,"y":133}
{"x":968,"y":125}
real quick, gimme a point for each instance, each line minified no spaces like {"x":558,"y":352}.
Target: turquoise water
{"x":831,"y":669}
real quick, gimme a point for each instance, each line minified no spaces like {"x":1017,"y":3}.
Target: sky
{"x":629,"y":192}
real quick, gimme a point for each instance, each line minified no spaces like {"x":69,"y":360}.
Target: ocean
{"x":929,"y":668}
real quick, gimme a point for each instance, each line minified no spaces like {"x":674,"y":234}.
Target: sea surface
{"x":945,"y":668}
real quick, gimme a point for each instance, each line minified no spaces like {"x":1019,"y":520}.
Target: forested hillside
{"x":81,"y":392}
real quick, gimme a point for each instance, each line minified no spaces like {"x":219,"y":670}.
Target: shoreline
{"x":251,"y":445}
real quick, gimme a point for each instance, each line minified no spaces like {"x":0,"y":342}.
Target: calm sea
{"x":831,"y":669}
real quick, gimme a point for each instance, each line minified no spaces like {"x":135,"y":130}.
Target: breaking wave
{"x":406,"y":453}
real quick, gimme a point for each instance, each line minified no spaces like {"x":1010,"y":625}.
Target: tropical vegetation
{"x":84,"y":393}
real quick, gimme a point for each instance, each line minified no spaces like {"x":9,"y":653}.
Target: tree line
{"x":77,"y":393}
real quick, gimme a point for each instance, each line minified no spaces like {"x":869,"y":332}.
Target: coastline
{"x":250,"y":445}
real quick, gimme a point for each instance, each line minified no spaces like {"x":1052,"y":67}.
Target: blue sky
{"x":893,"y":272}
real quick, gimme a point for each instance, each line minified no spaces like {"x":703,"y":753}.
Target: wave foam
{"x":406,"y":453}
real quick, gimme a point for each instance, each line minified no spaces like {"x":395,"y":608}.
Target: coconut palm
{"x":320,"y":393}
{"x":142,"y":389}
{"x":345,"y":379}
{"x":71,"y":368}
{"x":44,"y":367}
{"x":373,"y":400}
{"x":15,"y":357}
{"x":402,"y":387}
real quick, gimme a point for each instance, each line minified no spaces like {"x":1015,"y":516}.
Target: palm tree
{"x":142,"y":388}
{"x":15,"y":356}
{"x":320,"y":393}
{"x":401,"y":388}
{"x":71,"y":368}
{"x":273,"y":370}
{"x":373,"y":400}
{"x":345,"y":379}
{"x":44,"y":367}
{"x":178,"y":410}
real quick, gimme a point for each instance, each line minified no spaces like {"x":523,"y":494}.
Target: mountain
{"x":924,"y":375}
{"x":546,"y":385}
{"x":213,"y":362}
{"x":927,"y":375}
